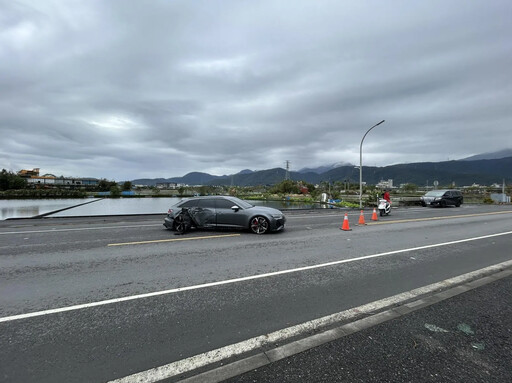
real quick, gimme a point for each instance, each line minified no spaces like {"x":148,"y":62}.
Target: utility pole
{"x":361,"y":165}
{"x":287,"y":176}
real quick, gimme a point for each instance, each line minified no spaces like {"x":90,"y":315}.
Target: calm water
{"x":31,"y":208}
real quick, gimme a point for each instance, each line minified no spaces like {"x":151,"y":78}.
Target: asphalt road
{"x":72,"y":303}
{"x":467,"y":338}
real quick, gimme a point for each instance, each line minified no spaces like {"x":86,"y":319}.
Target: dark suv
{"x":442,"y":198}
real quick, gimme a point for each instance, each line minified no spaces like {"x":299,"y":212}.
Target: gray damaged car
{"x":226,"y":212}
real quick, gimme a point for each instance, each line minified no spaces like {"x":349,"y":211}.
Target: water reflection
{"x":122,"y":206}
{"x":8,"y":212}
{"x":31,"y":207}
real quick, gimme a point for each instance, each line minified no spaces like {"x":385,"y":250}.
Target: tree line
{"x":11,"y":181}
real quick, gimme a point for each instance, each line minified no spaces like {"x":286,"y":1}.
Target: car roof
{"x":445,"y":190}
{"x":208,"y":197}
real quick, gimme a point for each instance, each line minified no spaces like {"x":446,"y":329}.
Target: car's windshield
{"x":435,"y":193}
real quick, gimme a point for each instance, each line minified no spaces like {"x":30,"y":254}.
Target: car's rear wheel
{"x":259,"y":225}
{"x":457,"y":204}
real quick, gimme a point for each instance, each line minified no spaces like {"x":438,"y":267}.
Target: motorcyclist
{"x":386,"y":196}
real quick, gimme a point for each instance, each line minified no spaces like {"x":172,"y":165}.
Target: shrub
{"x":488,"y":200}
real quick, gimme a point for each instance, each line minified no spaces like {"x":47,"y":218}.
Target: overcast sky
{"x":141,"y":89}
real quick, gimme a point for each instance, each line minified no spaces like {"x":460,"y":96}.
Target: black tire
{"x":259,"y":225}
{"x":181,"y":224}
{"x":457,"y":204}
{"x":381,"y":212}
{"x":443,"y":204}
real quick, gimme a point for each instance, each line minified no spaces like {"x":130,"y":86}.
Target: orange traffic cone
{"x":361,"y":219}
{"x":374,"y":215}
{"x":346,"y":226}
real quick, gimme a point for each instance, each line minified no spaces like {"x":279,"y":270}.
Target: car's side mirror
{"x":235,"y":208}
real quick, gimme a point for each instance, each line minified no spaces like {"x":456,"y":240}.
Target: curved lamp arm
{"x":361,"y":165}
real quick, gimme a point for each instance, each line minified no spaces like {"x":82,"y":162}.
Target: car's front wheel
{"x":181,"y":223}
{"x":259,"y":225}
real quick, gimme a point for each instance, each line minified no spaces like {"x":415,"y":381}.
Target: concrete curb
{"x":266,"y":357}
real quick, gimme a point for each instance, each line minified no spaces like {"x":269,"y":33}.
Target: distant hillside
{"x":324,"y":169}
{"x":246,"y":171}
{"x":490,"y":156}
{"x":463,"y":173}
{"x":484,"y":172}
{"x":194,"y":178}
{"x":264,"y":177}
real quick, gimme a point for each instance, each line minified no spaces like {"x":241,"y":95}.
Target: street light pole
{"x":361,"y":166}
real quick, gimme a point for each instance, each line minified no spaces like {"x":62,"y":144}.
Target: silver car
{"x":227,"y":212}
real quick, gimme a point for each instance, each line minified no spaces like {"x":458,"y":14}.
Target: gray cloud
{"x":130,"y":89}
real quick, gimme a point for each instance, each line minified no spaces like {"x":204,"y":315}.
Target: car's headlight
{"x":277,"y":216}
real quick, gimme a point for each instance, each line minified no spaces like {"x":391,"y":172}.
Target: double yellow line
{"x":173,"y":240}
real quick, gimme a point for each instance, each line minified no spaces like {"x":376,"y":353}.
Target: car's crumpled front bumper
{"x":277,"y":224}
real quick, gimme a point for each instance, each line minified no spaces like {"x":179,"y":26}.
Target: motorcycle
{"x":384,"y":207}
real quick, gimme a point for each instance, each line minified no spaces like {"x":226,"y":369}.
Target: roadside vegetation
{"x":337,"y":193}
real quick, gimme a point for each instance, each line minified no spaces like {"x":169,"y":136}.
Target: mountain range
{"x":482,"y":169}
{"x":325,"y":169}
{"x":490,"y":156}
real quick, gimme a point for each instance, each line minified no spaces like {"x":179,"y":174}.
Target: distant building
{"x":500,"y":198}
{"x":385,"y":184}
{"x":49,"y":180}
{"x":166,"y":185}
{"x":29,"y":173}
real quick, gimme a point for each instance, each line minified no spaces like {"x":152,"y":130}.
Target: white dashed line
{"x":242,"y":279}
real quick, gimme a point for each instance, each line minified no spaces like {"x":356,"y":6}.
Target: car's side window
{"x":189,"y":204}
{"x":224,"y":204}
{"x":207,"y":203}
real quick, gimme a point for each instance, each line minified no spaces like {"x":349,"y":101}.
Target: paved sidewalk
{"x":466,"y":338}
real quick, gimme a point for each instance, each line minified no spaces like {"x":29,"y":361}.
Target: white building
{"x":385,"y":184}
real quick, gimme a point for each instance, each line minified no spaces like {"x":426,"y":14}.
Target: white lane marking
{"x":288,"y":217}
{"x":215,"y":356}
{"x":53,"y":230}
{"x":331,"y":215}
{"x":78,"y":229}
{"x":236,"y":280}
